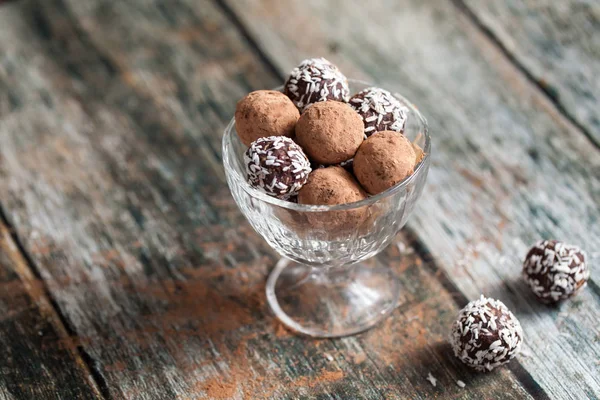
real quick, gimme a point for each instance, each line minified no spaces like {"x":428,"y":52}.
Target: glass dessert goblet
{"x":327,"y":284}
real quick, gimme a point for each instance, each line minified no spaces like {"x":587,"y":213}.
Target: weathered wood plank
{"x":507,"y":167}
{"x":108,"y":193}
{"x":112,"y":178}
{"x":558,"y":44}
{"x":33,"y":366}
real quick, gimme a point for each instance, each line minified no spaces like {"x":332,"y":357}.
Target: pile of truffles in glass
{"x":314,"y":144}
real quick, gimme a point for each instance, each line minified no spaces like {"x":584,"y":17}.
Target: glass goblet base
{"x":332,"y":302}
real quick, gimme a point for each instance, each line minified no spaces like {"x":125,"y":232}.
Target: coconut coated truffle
{"x":314,"y":80}
{"x":555,"y":270}
{"x":379,"y":110}
{"x":383,"y":160}
{"x":264,"y":113}
{"x":330,"y":186}
{"x":486,"y":334}
{"x":277,"y":166}
{"x":330,"y":132}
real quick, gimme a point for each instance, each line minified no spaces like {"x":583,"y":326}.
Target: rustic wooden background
{"x":127,"y":272}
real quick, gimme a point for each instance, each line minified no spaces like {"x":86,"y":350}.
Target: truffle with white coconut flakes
{"x":277,"y":166}
{"x":555,"y":271}
{"x":379,"y":110}
{"x":486,"y":334}
{"x":314,"y":80}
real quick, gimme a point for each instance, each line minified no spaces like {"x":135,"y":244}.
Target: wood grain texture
{"x":507,"y":168}
{"x":104,"y":184}
{"x":558,"y":44}
{"x":33,"y":366}
{"x":111,"y":115}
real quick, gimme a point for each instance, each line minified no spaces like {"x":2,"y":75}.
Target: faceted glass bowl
{"x":325,"y":286}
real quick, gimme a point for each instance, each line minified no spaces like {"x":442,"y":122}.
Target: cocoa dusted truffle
{"x":330,"y":186}
{"x":316,"y":79}
{"x":277,"y":166}
{"x":486,"y":334}
{"x":555,"y":271}
{"x":265,"y":113}
{"x":330,"y":132}
{"x":379,"y":110}
{"x":383,"y":160}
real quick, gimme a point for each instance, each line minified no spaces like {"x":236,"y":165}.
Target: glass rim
{"x":255,"y":193}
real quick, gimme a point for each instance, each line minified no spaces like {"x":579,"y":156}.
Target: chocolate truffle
{"x":486,"y":334}
{"x":555,"y":271}
{"x":379,"y":110}
{"x":316,"y":79}
{"x":330,"y":186}
{"x":329,"y":132}
{"x":383,"y":160}
{"x":277,"y":166}
{"x":265,"y":113}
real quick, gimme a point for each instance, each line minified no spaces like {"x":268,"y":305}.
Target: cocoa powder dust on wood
{"x":217,"y":388}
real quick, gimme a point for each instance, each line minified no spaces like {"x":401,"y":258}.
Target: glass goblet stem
{"x":331,"y":301}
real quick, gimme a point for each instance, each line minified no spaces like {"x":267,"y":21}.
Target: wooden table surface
{"x":127,"y":271}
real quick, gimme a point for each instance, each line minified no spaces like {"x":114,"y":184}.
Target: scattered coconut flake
{"x":431,"y":379}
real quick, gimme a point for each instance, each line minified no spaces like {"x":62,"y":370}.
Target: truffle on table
{"x":383,"y":160}
{"x":330,"y":186}
{"x":264,"y":113}
{"x":330,"y":132}
{"x":555,"y":271}
{"x":379,"y":110}
{"x":486,"y":334}
{"x":277,"y":166}
{"x":314,"y":80}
